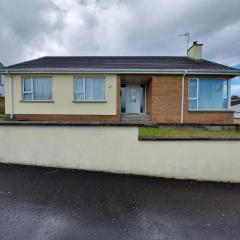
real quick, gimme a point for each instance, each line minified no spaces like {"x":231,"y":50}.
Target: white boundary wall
{"x":117,"y":149}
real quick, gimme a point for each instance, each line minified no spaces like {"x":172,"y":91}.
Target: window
{"x":1,"y":80}
{"x":123,"y":98}
{"x":1,"y":86}
{"x":37,"y":88}
{"x":208,"y":94}
{"x":89,"y":88}
{"x":193,"y":94}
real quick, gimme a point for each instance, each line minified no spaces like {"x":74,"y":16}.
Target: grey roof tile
{"x":120,"y":62}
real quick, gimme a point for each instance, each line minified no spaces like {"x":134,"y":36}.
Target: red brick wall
{"x":2,"y":104}
{"x":71,"y":118}
{"x":166,"y":99}
{"x":166,"y":96}
{"x":149,"y":98}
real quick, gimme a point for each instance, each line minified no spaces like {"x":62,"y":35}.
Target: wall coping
{"x":189,"y":138}
{"x":67,"y":123}
{"x":78,"y":123}
{"x":140,"y":138}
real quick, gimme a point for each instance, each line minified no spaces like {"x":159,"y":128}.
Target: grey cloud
{"x":31,"y":28}
{"x":154,"y":28}
{"x":25,"y":24}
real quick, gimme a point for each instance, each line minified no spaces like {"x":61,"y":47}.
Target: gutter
{"x":126,"y":71}
{"x":182,"y":102}
{"x":11,"y":93}
{"x":11,"y":97}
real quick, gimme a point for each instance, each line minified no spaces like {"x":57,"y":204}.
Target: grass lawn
{"x":169,"y":132}
{"x":2,"y":116}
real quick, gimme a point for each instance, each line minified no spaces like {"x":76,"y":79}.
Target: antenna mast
{"x":187,"y":37}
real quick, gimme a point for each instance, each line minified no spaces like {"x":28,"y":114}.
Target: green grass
{"x":2,"y":116}
{"x":169,"y":132}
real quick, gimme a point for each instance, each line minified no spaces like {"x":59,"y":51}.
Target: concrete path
{"x":47,"y":204}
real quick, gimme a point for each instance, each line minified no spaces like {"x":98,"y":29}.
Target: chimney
{"x":195,"y":51}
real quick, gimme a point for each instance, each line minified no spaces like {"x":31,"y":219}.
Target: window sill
{"x":37,"y":101}
{"x":90,"y":101}
{"x":211,"y":110}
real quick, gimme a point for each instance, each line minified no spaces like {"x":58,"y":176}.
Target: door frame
{"x":145,"y":98}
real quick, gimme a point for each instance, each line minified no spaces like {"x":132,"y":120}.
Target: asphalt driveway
{"x":40,"y":203}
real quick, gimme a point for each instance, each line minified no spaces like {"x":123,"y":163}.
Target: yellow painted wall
{"x":62,"y":87}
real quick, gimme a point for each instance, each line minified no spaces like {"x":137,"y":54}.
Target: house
{"x":236,"y":109}
{"x":168,"y":90}
{"x":1,"y":82}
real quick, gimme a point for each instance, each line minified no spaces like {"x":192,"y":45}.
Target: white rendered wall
{"x":117,"y":149}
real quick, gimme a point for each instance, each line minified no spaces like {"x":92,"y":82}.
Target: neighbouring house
{"x":236,"y":109}
{"x":166,"y":90}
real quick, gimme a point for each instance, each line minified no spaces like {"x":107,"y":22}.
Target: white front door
{"x":133,"y":95}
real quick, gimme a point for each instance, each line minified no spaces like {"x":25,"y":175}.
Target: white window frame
{"x":196,"y":98}
{"x":197,"y":109}
{"x":31,"y":91}
{"x":84,"y":87}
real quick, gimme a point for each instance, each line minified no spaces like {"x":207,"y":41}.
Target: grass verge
{"x":169,"y":132}
{"x":2,"y":116}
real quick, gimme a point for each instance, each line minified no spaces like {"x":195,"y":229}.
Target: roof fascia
{"x":122,"y":71}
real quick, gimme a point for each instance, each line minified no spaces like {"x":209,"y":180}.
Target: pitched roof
{"x":111,"y":63}
{"x":1,"y":65}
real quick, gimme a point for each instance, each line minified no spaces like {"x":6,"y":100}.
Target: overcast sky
{"x":35,"y":28}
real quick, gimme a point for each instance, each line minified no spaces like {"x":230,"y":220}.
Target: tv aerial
{"x":187,"y":38}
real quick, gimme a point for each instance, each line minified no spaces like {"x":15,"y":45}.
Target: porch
{"x":134,"y":99}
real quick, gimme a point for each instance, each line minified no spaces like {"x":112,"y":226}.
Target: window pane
{"x":123,"y":99}
{"x":193,"y":88}
{"x":95,"y":88}
{"x":225,"y":94}
{"x":132,"y":95}
{"x":27,"y":86}
{"x":42,"y":89}
{"x":27,"y":96}
{"x":79,"y":96}
{"x":192,"y":104}
{"x":79,"y":85}
{"x":142,"y":97}
{"x":212,"y":94}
